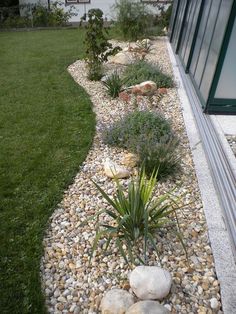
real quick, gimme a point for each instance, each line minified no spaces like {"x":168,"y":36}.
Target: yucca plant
{"x":135,"y":216}
{"x":114,"y":84}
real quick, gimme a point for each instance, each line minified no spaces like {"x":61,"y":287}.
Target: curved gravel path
{"x":70,"y":282}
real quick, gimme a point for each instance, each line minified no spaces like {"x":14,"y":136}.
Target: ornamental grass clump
{"x":114,"y":85}
{"x":135,"y":217}
{"x":141,"y":71}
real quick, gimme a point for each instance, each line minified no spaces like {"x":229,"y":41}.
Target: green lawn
{"x":46,"y":128}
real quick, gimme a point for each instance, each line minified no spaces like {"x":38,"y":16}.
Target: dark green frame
{"x":212,"y":105}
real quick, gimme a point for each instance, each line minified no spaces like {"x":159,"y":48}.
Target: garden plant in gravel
{"x":136,"y":215}
{"x":97,"y":46}
{"x":149,"y":135}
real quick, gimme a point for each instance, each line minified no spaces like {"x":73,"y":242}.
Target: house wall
{"x":81,"y":8}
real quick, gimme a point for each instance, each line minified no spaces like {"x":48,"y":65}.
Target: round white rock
{"x":150,"y":282}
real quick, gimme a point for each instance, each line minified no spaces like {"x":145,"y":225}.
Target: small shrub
{"x":149,"y":136}
{"x":135,"y":216}
{"x":133,"y":19}
{"x":159,"y":155}
{"x":16,"y":22}
{"x":141,"y":71}
{"x":97,"y":46}
{"x":40,"y":16}
{"x":127,"y":132}
{"x":114,"y":84}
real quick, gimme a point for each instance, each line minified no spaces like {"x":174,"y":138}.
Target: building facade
{"x":203,"y":35}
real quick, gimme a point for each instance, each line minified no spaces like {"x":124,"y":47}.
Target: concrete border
{"x":217,"y":232}
{"x":224,"y":142}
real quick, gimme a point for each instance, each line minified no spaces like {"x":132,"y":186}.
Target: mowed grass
{"x":46,"y":128}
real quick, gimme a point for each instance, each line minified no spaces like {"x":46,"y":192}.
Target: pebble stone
{"x":66,"y":264}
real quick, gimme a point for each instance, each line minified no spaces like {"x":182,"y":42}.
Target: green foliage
{"x":56,"y":16}
{"x":114,"y":84}
{"x":133,"y":19}
{"x":135,"y":216}
{"x":126,"y":132}
{"x":163,"y":19}
{"x":141,"y":71}
{"x":40,"y":16}
{"x":53,"y":129}
{"x":16,"y":22}
{"x":97,"y":46}
{"x":144,"y":45}
{"x":148,"y":135}
{"x":159,"y":155}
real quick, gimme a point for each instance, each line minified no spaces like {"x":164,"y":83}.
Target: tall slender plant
{"x":97,"y":46}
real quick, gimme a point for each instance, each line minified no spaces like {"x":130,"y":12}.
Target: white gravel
{"x":70,"y":282}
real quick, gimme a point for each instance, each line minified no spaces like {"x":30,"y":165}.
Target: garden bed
{"x":71,"y":283}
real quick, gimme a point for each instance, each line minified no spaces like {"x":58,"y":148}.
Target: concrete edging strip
{"x":217,"y":231}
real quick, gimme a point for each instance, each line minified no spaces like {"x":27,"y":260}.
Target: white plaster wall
{"x":82,"y":8}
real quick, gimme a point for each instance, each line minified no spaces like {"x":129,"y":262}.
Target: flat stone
{"x":150,"y":282}
{"x":112,"y":170}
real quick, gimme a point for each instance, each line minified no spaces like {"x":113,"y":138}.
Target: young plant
{"x":144,"y":45}
{"x":136,"y":215}
{"x":114,"y":84}
{"x":97,"y":46}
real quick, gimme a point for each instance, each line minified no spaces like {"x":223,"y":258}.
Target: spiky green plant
{"x":135,"y":215}
{"x":114,"y":84}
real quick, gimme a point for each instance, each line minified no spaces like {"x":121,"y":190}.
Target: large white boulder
{"x":116,"y":301}
{"x":150,"y":282}
{"x":147,"y":307}
{"x":112,"y":170}
{"x":123,"y":58}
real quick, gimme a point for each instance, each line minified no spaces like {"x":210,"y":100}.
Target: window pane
{"x":215,"y":47}
{"x":227,"y":83}
{"x":200,"y":35}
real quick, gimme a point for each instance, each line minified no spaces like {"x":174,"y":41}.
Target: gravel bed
{"x":232,"y":143}
{"x":70,"y":282}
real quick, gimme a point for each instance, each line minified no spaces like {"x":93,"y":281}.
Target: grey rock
{"x":147,"y":307}
{"x":116,"y":301}
{"x":150,"y":282}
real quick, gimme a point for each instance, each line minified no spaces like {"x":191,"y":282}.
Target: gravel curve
{"x":74,"y":285}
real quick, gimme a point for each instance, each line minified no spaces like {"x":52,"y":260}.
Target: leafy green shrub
{"x":149,"y":136}
{"x":114,"y":84}
{"x":135,"y":216}
{"x":40,"y":16}
{"x":141,"y":71}
{"x":56,"y":16}
{"x":126,"y":132}
{"x":16,"y":22}
{"x":97,"y":46}
{"x":133,"y":19}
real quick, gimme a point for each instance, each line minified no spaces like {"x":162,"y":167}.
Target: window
{"x":77,"y":1}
